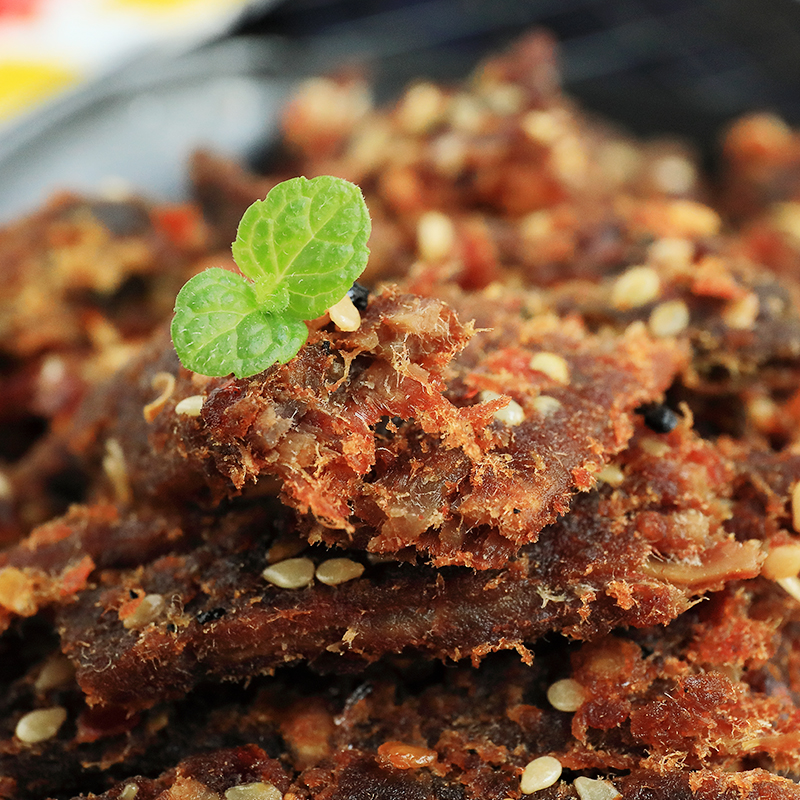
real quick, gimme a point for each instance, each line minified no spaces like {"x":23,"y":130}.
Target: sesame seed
{"x":546,"y":405}
{"x":436,"y":236}
{"x":467,"y":114}
{"x":671,"y":253}
{"x":611,"y":474}
{"x":654,"y":447}
{"x":796,"y":507}
{"x":40,"y":725}
{"x":116,"y":470}
{"x":566,"y":695}
{"x":674,"y":174}
{"x":782,"y":561}
{"x":293,"y":573}
{"x":129,"y":791}
{"x":590,"y":789}
{"x":344,"y":315}
{"x":259,"y":790}
{"x":539,"y":774}
{"x":422,"y":107}
{"x":163,"y":382}
{"x":690,"y":218}
{"x":636,"y":287}
{"x":542,"y":126}
{"x":510,"y":415}
{"x":504,"y":98}
{"x":338,"y":570}
{"x":6,"y":489}
{"x":57,"y":672}
{"x":552,"y":365}
{"x":190,"y":406}
{"x":669,"y":318}
{"x":536,"y":226}
{"x":659,"y":417}
{"x":790,"y":586}
{"x":742,"y":314}
{"x":786,"y":218}
{"x":150,"y":608}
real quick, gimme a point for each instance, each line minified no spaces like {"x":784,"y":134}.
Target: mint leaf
{"x":219,"y":327}
{"x":301,"y":248}
{"x":307,"y":238}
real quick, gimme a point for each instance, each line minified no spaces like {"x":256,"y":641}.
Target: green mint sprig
{"x":300,"y":249}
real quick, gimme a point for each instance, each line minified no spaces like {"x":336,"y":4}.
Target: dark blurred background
{"x":683,"y":67}
{"x":676,"y":66}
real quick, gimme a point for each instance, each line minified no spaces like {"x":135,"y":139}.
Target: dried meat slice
{"x":703,"y":708}
{"x":391,"y":438}
{"x":635,"y":553}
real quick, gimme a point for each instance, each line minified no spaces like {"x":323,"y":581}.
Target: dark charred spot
{"x":210,"y":616}
{"x":359,"y":295}
{"x":171,"y":627}
{"x":658,"y":417}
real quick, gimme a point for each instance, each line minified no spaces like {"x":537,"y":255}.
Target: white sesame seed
{"x":566,"y":695}
{"x":674,"y":174}
{"x":40,"y":725}
{"x":539,"y":774}
{"x":741,"y":314}
{"x":796,"y":507}
{"x":422,"y":107}
{"x":542,"y":126}
{"x":57,"y":672}
{"x":552,"y":365}
{"x":654,"y":447}
{"x":116,"y":470}
{"x":546,"y":405}
{"x":537,"y":225}
{"x":786,"y":218}
{"x":339,"y":570}
{"x":344,"y":315}
{"x":690,"y":218}
{"x":163,"y":382}
{"x":467,"y":113}
{"x":504,"y":98}
{"x":782,"y":561}
{"x":510,"y":415}
{"x":293,"y":573}
{"x":129,"y":791}
{"x":149,"y":610}
{"x":436,"y":236}
{"x":790,"y":586}
{"x":190,"y":406}
{"x":610,"y":474}
{"x":590,"y":789}
{"x":669,"y":318}
{"x":671,"y":253}
{"x":635,"y":287}
{"x":254,"y":791}
{"x":6,"y":489}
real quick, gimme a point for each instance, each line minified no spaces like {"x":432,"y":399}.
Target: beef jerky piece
{"x":57,"y":560}
{"x":83,"y":282}
{"x":469,"y":482}
{"x":95,"y":748}
{"x":76,"y":256}
{"x":635,"y":553}
{"x":700,"y":709}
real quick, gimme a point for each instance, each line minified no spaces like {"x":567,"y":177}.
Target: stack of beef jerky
{"x":532,"y":529}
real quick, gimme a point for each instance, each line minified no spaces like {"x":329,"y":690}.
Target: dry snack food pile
{"x":531,"y":529}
